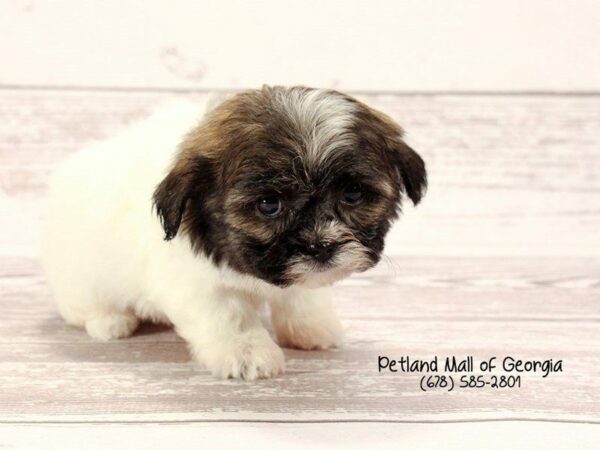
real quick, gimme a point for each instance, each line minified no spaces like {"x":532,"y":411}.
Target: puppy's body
{"x":109,"y":266}
{"x":100,"y":241}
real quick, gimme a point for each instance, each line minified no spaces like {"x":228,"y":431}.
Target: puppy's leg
{"x":304,"y":318}
{"x":112,"y":326}
{"x":226,"y":335}
{"x":102,"y":320}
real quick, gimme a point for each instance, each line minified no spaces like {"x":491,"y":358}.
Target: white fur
{"x":109,"y":267}
{"x":322,"y":119}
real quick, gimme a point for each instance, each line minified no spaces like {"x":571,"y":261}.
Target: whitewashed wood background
{"x":502,"y":258}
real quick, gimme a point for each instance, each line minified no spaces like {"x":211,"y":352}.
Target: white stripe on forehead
{"x":323,"y":119}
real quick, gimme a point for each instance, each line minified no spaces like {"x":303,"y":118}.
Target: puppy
{"x":270,"y":196}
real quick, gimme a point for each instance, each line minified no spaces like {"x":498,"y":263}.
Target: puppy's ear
{"x":412,"y":170}
{"x":377,"y":130}
{"x":189,"y":179}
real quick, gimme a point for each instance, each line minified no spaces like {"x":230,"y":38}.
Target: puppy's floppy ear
{"x":412,"y":170}
{"x":377,"y":130}
{"x":189,"y":179}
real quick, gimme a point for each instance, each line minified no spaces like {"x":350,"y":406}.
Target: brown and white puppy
{"x":272,"y":195}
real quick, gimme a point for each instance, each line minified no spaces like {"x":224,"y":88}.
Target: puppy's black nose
{"x":321,"y":252}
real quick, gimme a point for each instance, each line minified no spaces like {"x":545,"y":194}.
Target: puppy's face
{"x":290,"y":185}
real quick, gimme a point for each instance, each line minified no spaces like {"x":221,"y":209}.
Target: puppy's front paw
{"x":248,"y":356}
{"x":310,"y":333}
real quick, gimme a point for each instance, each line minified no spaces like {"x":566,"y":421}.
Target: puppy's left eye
{"x":353,"y":194}
{"x":270,"y":206}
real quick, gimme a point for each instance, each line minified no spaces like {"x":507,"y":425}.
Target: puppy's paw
{"x":310,"y":333}
{"x":249,"y":356}
{"x":112,"y":326}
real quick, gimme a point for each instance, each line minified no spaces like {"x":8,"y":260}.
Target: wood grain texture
{"x":317,"y":436}
{"x":150,"y":375}
{"x":510,"y":176}
{"x":540,"y":143}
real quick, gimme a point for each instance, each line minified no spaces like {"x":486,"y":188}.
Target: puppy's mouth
{"x":311,"y":266}
{"x":321,"y":267}
{"x":317,"y":271}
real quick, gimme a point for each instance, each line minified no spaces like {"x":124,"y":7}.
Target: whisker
{"x":391,"y":265}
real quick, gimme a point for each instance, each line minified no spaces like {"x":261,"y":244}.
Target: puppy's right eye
{"x":270,"y":206}
{"x":353,"y":194}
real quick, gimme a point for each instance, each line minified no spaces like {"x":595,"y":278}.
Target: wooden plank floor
{"x":502,"y":258}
